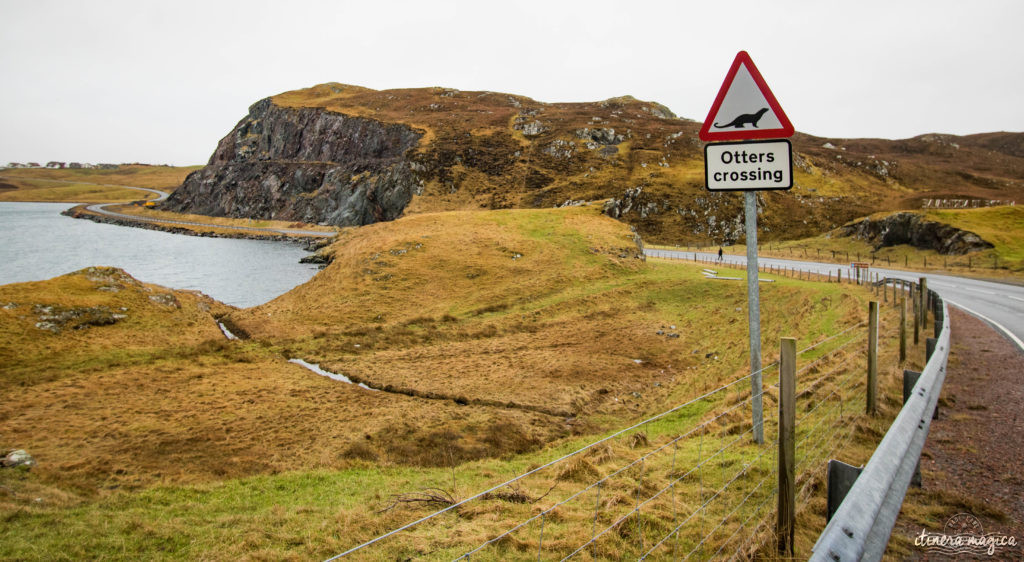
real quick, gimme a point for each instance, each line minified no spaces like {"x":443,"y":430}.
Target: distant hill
{"x":347,"y":155}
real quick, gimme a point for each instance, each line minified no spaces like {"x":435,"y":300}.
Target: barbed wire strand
{"x":702,"y":426}
{"x":662,"y":491}
{"x":705,"y":504}
{"x":547,"y":465}
{"x":726,"y":518}
{"x":830,"y":338}
{"x":619,"y":433}
{"x":829,"y":354}
{"x":742,"y":471}
{"x":757,"y":510}
{"x":742,"y":525}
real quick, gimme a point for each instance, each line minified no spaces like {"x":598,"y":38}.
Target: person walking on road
{"x":719,"y":253}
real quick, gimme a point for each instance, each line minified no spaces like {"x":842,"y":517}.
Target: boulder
{"x":18,"y":458}
{"x":307,"y":164}
{"x":917,"y":231}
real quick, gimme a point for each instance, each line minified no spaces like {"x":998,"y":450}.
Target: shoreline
{"x":309,"y":243}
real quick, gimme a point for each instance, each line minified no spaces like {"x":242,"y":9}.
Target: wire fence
{"x":689,"y":483}
{"x":933,"y":261}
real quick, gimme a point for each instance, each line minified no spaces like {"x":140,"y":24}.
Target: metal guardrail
{"x":861,"y":526}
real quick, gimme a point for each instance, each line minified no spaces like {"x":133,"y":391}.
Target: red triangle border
{"x":707,"y":135}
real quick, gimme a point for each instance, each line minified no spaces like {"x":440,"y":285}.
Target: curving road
{"x":999,"y":304}
{"x":102,"y":209}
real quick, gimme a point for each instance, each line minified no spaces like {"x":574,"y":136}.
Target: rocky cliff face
{"x":915,"y":230}
{"x":346,"y":155}
{"x":305,"y":164}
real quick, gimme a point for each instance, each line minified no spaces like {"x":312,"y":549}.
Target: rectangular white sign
{"x":748,"y":165}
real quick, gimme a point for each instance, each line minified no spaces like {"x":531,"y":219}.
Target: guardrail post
{"x":909,"y":380}
{"x":872,"y":397}
{"x":786,"y":517}
{"x":841,"y":477}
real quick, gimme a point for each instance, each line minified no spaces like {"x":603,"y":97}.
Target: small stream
{"x":316,"y":369}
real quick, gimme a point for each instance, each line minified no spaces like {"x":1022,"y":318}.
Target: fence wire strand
{"x":704,"y":471}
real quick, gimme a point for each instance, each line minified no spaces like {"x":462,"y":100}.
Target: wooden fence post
{"x":903,"y":328}
{"x":786,"y":517}
{"x":915,"y":313}
{"x":872,"y":398}
{"x":924,"y":301}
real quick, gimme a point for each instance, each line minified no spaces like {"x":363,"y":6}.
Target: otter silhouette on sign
{"x":742,"y":120}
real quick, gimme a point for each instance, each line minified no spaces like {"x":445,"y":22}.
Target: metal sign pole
{"x":754,"y":316}
{"x":748,"y":166}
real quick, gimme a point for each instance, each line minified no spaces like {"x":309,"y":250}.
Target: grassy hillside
{"x":88,"y":185}
{"x":1002,"y":226}
{"x":499,"y":338}
{"x":493,"y":150}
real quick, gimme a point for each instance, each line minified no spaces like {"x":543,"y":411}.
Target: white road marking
{"x":1000,"y":327}
{"x":980,"y":291}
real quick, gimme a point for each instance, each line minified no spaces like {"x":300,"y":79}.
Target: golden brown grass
{"x":1001,"y":226}
{"x":89,"y":185}
{"x":216,"y":225}
{"x":172,"y":439}
{"x":139,"y":175}
{"x":48,"y":191}
{"x":483,"y":160}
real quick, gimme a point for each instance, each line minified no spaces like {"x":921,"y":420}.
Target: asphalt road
{"x":999,"y":304}
{"x":102,"y":209}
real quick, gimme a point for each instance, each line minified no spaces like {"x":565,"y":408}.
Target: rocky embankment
{"x":307,"y":165}
{"x":344,"y":155}
{"x":915,"y":230}
{"x":311,"y":244}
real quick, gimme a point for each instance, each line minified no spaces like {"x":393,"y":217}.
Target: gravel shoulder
{"x":973,"y":461}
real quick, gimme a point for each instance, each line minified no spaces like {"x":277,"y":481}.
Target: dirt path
{"x":973,"y":461}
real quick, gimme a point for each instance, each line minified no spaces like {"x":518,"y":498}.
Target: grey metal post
{"x":841,"y":477}
{"x":754,"y":316}
{"x":909,"y":380}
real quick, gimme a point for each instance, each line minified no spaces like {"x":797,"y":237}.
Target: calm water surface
{"x":37,"y":243}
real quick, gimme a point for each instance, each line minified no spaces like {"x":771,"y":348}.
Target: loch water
{"x":37,"y":243}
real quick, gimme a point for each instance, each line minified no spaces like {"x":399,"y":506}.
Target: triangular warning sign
{"x":745,"y":108}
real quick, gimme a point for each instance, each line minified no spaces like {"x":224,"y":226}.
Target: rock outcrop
{"x":18,"y":458}
{"x":305,"y":164}
{"x":917,"y":231}
{"x":346,"y":155}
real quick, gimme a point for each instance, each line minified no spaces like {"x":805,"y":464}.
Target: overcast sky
{"x":162,"y":82}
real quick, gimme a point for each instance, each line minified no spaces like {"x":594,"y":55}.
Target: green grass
{"x":45,"y":191}
{"x":1003,"y":227}
{"x":316,"y":512}
{"x":90,"y":185}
